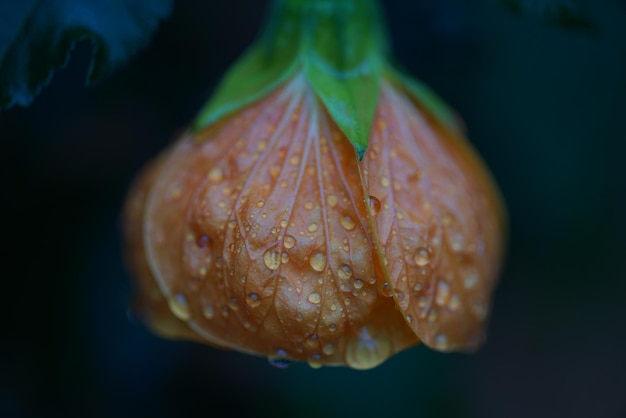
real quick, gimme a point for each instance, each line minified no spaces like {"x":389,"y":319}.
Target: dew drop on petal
{"x":280,"y":360}
{"x":347,"y":222}
{"x":312,"y":227}
{"x":328,"y":349}
{"x":318,"y":261}
{"x":208,"y":312}
{"x":344,"y":272}
{"x":272,"y":259}
{"x":441,"y":341}
{"x":204,"y":241}
{"x":233,"y":304}
{"x":315,"y":361}
{"x":422,"y":256}
{"x":363,"y":351}
{"x":179,"y":307}
{"x":471,"y":278}
{"x":314,"y":298}
{"x":443,"y":293}
{"x":253,"y":300}
{"x":358,"y":284}
{"x":374,"y":205}
{"x":216,"y":174}
{"x":289,"y":242}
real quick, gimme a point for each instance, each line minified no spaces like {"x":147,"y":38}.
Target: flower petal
{"x":438,"y":224}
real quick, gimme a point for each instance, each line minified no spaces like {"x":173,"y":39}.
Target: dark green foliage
{"x":37,"y":36}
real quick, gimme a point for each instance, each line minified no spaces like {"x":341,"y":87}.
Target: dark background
{"x":546,"y":107}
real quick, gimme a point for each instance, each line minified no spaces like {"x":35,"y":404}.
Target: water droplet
{"x":260,"y":204}
{"x":274,"y":170}
{"x":432,"y":315}
{"x":456,"y":242}
{"x":358,"y":283}
{"x":443,"y":293}
{"x":283,"y":223}
{"x":422,"y":256}
{"x":208,"y":312}
{"x":179,"y":307}
{"x":328,"y":349}
{"x":309,"y":205}
{"x":271,"y":259}
{"x":384,"y":181}
{"x":441,"y":341}
{"x":216,"y":174}
{"x":315,"y":361}
{"x":374,"y":205}
{"x":312,"y":227}
{"x":332,"y":327}
{"x":233,"y":304}
{"x":314,"y":298}
{"x":279,"y":363}
{"x":347,"y":222}
{"x":455,"y":302}
{"x":365,"y":351}
{"x":387,"y":290}
{"x":294,"y":160}
{"x":344,"y":272}
{"x":253,"y":300}
{"x":318,"y":261}
{"x":289,"y":241}
{"x":332,"y":200}
{"x":471,"y":278}
{"x":284,"y":258}
{"x":204,"y":241}
{"x":417,"y":287}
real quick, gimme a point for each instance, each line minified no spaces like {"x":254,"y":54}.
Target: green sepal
{"x":426,"y":98}
{"x":343,"y":56}
{"x":350,"y":101}
{"x":340,"y":46}
{"x":254,"y":75}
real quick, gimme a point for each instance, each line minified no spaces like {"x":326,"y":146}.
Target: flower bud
{"x":296,"y":227}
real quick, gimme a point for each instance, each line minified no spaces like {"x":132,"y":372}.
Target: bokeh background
{"x":544,"y":105}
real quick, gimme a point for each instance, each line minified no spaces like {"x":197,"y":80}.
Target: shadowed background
{"x":545,"y":106}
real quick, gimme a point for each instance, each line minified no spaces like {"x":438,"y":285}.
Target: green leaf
{"x":37,"y":36}
{"x":426,"y":98}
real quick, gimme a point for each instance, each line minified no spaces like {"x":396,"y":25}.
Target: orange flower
{"x":264,"y":233}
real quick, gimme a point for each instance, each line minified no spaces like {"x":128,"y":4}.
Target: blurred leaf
{"x":37,"y":36}
{"x":570,"y":14}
